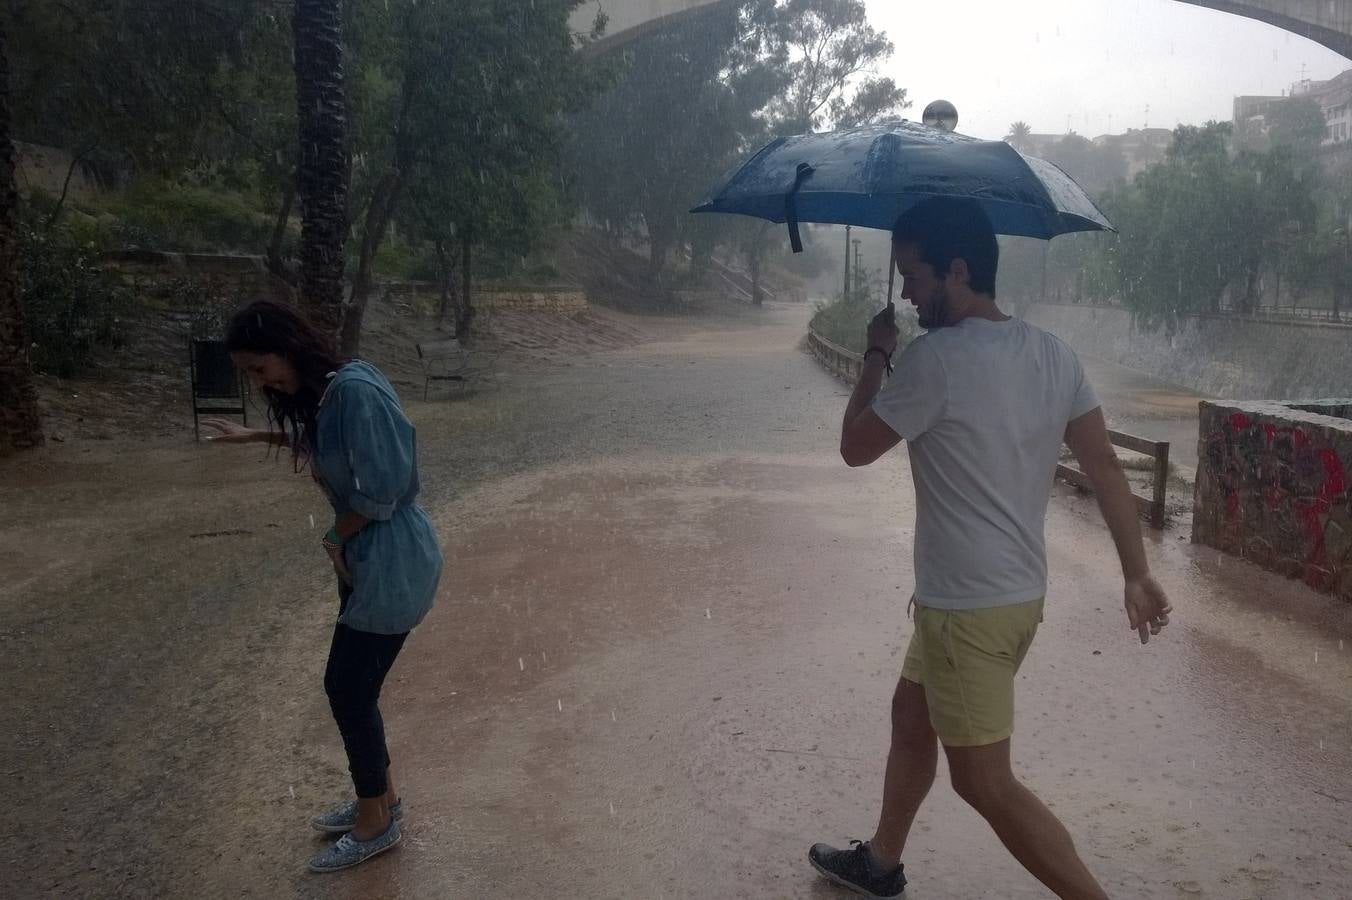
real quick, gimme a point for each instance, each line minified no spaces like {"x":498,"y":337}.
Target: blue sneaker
{"x":341,"y":820}
{"x":347,"y":851}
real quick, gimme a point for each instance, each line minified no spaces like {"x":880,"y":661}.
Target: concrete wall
{"x":1220,"y":356}
{"x":1272,"y":487}
{"x":564,"y":299}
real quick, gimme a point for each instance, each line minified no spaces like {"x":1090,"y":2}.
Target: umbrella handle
{"x":791,"y":206}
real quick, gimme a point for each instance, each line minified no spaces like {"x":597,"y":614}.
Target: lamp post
{"x":846,"y":295}
{"x":940,"y":114}
{"x":856,"y":243}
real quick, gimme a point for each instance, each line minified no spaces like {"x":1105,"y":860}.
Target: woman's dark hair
{"x":266,"y":326}
{"x":949,"y":228}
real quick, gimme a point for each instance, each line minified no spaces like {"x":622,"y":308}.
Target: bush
{"x":396,"y":258}
{"x":71,"y":306}
{"x":844,"y":320}
{"x":188,"y":218}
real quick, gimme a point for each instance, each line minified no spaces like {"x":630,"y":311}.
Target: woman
{"x":342,"y":420}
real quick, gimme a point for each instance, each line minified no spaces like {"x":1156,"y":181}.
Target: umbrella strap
{"x":791,"y":207}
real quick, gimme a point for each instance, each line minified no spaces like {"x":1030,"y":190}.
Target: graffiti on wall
{"x":1279,"y":489}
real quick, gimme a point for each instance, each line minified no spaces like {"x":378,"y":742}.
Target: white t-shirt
{"x":983,"y":407}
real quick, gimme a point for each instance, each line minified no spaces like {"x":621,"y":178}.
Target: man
{"x":984,"y":402}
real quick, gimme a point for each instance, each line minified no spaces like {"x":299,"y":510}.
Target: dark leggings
{"x":358,"y":664}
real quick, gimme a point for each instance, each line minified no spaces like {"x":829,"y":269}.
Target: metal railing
{"x":847,"y":364}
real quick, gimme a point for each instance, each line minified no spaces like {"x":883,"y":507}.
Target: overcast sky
{"x":1040,"y":60}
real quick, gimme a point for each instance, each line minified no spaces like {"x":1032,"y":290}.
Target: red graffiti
{"x":1290,"y":476}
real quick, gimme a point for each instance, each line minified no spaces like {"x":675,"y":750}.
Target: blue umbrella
{"x":869,"y":176}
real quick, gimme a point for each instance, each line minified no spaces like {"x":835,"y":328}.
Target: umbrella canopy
{"x":869,"y":176}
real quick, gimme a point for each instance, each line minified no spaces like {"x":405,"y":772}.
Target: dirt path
{"x":658,"y":668}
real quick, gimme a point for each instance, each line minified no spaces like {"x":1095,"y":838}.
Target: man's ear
{"x":958,"y":271}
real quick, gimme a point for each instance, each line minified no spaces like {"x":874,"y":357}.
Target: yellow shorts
{"x":966,"y":659}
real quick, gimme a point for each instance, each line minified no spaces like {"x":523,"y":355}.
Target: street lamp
{"x":940,"y":114}
{"x":846,"y":295}
{"x":856,"y":242}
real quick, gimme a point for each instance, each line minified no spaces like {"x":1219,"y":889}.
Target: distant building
{"x":1333,"y":96}
{"x":1141,"y":147}
{"x":1040,"y":145}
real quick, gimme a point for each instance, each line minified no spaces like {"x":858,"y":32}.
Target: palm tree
{"x":1018,"y":135}
{"x":322,"y":176}
{"x":20,"y":423}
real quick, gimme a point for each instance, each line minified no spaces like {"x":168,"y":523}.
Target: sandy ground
{"x":659,"y":665}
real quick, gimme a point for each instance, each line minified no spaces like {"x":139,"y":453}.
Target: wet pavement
{"x":660,"y":666}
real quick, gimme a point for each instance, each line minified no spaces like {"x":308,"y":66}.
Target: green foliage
{"x":694,"y":98}
{"x":1217,"y":227}
{"x":168,"y":216}
{"x":686,"y":105}
{"x":479,"y":90}
{"x":71,"y":307}
{"x":152,"y":86}
{"x":845,"y":319}
{"x":1095,"y":168}
{"x":823,"y":47}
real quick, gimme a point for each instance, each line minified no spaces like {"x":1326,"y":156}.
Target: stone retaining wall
{"x":1272,"y":487}
{"x":564,"y":299}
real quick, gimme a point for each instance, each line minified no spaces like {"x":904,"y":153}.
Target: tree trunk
{"x":753,"y":261}
{"x":65,"y":186}
{"x":465,"y":315}
{"x":378,"y":216}
{"x":276,"y":265}
{"x":322,"y":175}
{"x":446,"y":271}
{"x":657,"y":259}
{"x":20,"y":422}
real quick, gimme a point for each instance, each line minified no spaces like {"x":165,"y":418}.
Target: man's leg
{"x":911,"y":763}
{"x":982,"y":776}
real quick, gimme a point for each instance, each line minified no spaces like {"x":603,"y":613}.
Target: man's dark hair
{"x":948,"y":228}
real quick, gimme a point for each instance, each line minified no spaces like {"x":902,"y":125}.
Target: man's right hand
{"x":230,"y":432}
{"x":1147,"y":607}
{"x":882,"y":331}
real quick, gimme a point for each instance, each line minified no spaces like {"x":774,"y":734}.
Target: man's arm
{"x":863,"y":436}
{"x":1087,"y":436}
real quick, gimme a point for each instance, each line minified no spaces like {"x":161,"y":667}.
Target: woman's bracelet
{"x":331,"y":539}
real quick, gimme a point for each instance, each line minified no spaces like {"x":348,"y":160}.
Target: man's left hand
{"x":340,"y":564}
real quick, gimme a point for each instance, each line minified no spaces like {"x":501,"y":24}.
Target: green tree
{"x":822,"y":47}
{"x":461,"y":117}
{"x":1202,"y":231}
{"x":684,"y":106}
{"x":1019,"y":132}
{"x":1095,"y":168}
{"x":20,"y":423}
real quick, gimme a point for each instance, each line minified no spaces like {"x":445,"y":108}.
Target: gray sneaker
{"x":341,"y":819}
{"x":348,"y":851}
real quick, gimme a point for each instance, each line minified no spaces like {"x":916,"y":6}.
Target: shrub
{"x":71,"y":306}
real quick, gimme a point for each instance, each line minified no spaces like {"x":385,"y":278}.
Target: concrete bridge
{"x":630,"y":19}
{"x":1328,"y":22}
